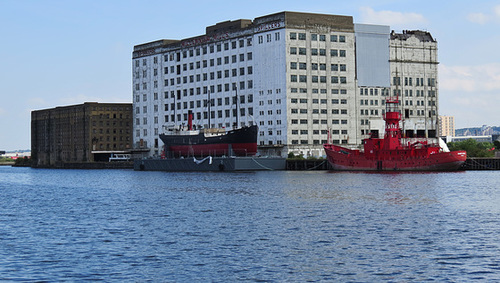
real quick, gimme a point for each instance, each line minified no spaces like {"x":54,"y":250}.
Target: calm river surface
{"x":122,"y":225}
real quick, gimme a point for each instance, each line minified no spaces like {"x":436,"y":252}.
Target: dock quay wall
{"x":480,"y":163}
{"x":90,"y":165}
{"x":472,"y":163}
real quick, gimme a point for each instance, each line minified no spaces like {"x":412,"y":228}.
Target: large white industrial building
{"x":297,"y":76}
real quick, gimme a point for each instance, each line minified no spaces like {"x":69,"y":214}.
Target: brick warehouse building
{"x":80,"y":133}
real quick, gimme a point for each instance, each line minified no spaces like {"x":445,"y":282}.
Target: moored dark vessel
{"x":209,"y":142}
{"x":391,"y":153}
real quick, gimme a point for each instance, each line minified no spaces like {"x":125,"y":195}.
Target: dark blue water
{"x":121,"y":225}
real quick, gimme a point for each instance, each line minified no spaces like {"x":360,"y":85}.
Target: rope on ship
{"x":271,"y":169}
{"x":203,"y":160}
{"x":317,"y":165}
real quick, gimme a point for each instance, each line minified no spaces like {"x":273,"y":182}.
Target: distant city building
{"x":478,"y":131}
{"x":447,"y":126}
{"x":80,"y":133}
{"x":298,"y":76}
{"x":464,"y":138}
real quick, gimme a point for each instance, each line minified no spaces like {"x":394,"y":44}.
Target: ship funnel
{"x":190,"y":120}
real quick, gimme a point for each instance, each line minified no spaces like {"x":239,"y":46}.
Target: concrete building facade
{"x":447,"y":126}
{"x":80,"y":133}
{"x":414,"y":75}
{"x":295,"y":75}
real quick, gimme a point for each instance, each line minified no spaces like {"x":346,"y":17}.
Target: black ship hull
{"x":238,"y":142}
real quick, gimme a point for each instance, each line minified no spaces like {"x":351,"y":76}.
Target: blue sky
{"x":56,"y":53}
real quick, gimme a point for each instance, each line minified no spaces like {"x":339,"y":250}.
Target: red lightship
{"x":391,"y":154}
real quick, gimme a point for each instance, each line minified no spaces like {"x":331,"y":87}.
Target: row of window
{"x":419,"y":93}
{"x":108,"y":131}
{"x":317,"y":132}
{"x":269,"y":37}
{"x":242,"y":85}
{"x":408,"y":113}
{"x":209,"y":76}
{"x":315,"y":90}
{"x":108,"y":146}
{"x":318,"y":121}
{"x":316,"y":51}
{"x":409,"y":81}
{"x":369,"y":112}
{"x":317,"y":79}
{"x":203,"y":50}
{"x":114,"y":138}
{"x":305,"y":100}
{"x":317,"y":142}
{"x":176,"y":69}
{"x":197,"y":104}
{"x":316,"y":66}
{"x":316,"y":37}
{"x":227,"y":113}
{"x":318,"y":111}
{"x":373,"y":91}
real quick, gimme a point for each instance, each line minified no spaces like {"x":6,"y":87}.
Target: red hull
{"x":341,"y":158}
{"x":238,"y":149}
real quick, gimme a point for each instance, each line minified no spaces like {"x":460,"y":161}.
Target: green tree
{"x":473,"y":148}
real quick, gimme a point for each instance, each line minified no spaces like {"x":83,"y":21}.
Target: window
{"x":302,"y":36}
{"x":333,"y":38}
{"x":293,"y":35}
{"x":293,"y":50}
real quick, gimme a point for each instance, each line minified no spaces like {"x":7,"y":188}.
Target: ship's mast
{"x":209,"y":103}
{"x":236,"y":91}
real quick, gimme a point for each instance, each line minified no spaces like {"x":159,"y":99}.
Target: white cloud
{"x":478,"y":18}
{"x":370,"y":16}
{"x":496,"y":9}
{"x":470,"y":93}
{"x":470,"y":78}
{"x":483,"y":18}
